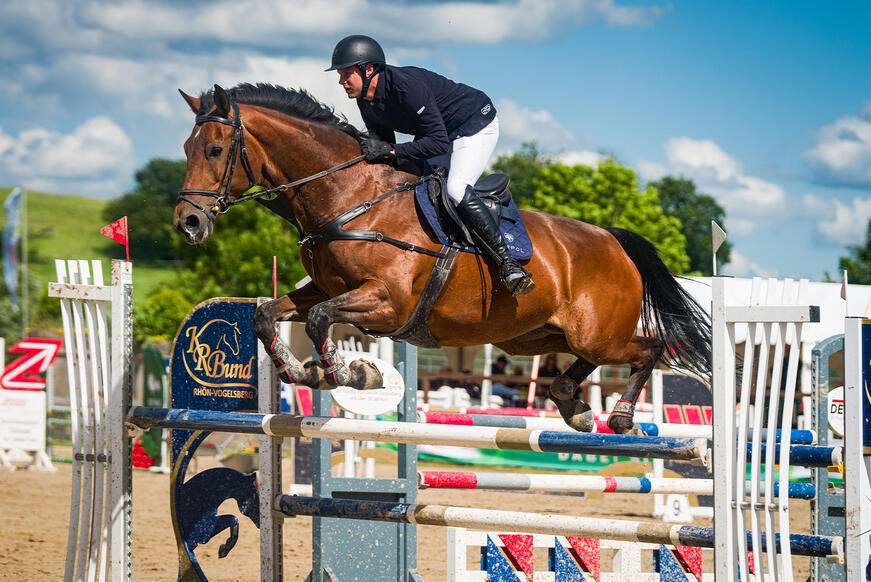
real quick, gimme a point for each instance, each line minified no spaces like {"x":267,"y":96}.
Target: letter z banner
{"x":26,"y":372}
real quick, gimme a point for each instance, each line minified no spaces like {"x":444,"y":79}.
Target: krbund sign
{"x":214,"y":357}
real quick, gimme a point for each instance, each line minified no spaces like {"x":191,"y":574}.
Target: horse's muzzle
{"x":195,"y":225}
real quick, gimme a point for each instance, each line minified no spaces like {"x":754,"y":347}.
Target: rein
{"x":332,"y":230}
{"x":223,"y":203}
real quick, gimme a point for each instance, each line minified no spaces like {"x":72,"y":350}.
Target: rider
{"x":440,"y":114}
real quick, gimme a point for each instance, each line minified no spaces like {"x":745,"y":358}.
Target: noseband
{"x":223,"y":202}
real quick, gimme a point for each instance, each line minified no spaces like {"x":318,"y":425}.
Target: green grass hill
{"x":68,"y":227}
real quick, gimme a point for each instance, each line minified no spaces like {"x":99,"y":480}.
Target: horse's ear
{"x":222,"y":101}
{"x":192,"y":102}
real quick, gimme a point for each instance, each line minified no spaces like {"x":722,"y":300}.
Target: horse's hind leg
{"x":565,"y":389}
{"x":565,"y":393}
{"x":643,"y":353}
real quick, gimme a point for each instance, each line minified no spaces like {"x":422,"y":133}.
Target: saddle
{"x":430,"y":194}
{"x":439,"y":210}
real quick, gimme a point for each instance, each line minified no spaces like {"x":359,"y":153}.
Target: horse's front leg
{"x":294,"y":306}
{"x":367,"y":306}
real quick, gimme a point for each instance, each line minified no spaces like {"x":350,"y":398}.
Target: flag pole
{"x":25,"y":313}
{"x":718,"y":236}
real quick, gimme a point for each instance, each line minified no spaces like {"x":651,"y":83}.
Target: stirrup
{"x":517,"y":280}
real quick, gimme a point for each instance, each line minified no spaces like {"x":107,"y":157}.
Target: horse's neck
{"x":297,"y":149}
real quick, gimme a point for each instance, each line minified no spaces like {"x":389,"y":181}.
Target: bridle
{"x":238,"y":150}
{"x":332,"y":230}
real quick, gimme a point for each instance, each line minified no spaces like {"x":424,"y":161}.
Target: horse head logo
{"x":230,"y":338}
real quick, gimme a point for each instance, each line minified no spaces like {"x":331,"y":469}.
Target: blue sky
{"x":766,"y":106}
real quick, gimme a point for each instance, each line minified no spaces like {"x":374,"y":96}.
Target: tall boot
{"x":477,"y":217}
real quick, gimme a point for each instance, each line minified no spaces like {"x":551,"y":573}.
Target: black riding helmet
{"x":359,"y":50}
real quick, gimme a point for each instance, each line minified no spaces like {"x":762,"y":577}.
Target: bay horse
{"x":593,"y":284}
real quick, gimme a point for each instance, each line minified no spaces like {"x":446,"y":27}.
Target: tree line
{"x":236,"y":261}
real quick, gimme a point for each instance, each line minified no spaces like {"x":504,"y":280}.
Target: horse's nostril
{"x":192,"y":221}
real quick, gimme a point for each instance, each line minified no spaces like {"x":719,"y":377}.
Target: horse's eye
{"x":213,"y":151}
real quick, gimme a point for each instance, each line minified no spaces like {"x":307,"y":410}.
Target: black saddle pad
{"x":514,"y":230}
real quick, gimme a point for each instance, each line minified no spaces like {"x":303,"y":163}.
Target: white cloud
{"x":702,"y":158}
{"x":75,"y":60}
{"x":307,"y":73}
{"x":583,"y":157}
{"x":816,"y":205}
{"x":6,"y":142}
{"x":281,"y":24}
{"x":651,"y":171}
{"x":739,"y":226}
{"x":748,"y":200}
{"x":741,"y":266}
{"x":842,"y":153}
{"x":840,"y":223}
{"x":144,"y":86}
{"x":518,"y":124}
{"x":96,"y":158}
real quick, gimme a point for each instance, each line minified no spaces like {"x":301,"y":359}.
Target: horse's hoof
{"x":622,"y":424}
{"x":577,"y":414}
{"x":314,"y":377}
{"x":292,"y":375}
{"x":365,"y":375}
{"x":289,"y":367}
{"x":563,"y":388}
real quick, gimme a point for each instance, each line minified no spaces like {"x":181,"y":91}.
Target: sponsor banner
{"x":214,"y":361}
{"x":22,"y":420}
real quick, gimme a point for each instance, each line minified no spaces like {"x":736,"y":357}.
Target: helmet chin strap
{"x":376,"y":68}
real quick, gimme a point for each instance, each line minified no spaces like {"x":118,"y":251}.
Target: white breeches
{"x":470,"y":158}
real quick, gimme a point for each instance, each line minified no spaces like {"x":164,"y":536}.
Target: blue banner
{"x":11,"y":235}
{"x":214,"y":361}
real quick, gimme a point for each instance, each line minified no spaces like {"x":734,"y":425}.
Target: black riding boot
{"x":477,"y":217}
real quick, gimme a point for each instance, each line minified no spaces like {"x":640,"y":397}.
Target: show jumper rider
{"x":439,"y":113}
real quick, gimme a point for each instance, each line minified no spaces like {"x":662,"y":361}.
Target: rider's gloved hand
{"x":377,"y":151}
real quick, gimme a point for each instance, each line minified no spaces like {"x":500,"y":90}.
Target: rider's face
{"x":351,"y":81}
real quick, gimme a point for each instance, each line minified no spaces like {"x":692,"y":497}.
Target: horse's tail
{"x":668,"y":311}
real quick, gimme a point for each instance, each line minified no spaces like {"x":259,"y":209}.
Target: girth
{"x":416,"y":329}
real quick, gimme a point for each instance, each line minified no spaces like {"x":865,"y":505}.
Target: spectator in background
{"x":436,"y":382}
{"x":518,"y":371}
{"x":549,"y":368}
{"x":473,"y":389}
{"x":500,"y":368}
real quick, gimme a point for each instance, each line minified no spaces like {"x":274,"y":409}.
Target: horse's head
{"x":214,"y":149}
{"x":288,"y":140}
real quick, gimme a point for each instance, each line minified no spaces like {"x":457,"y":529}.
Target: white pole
{"x":857,"y":471}
{"x":596,"y":404}
{"x":658,"y":464}
{"x":724,"y":427}
{"x":487,"y":384}
{"x":530,"y":399}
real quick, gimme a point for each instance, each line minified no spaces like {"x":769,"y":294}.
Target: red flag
{"x":117,"y":231}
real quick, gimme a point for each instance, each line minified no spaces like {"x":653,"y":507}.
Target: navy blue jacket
{"x":432,"y":108}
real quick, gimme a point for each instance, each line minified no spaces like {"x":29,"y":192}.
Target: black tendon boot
{"x":487,"y":235}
